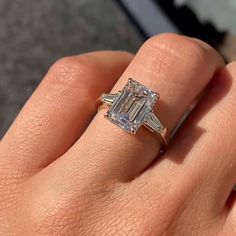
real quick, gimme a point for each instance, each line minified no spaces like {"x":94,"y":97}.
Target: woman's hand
{"x":65,"y":172}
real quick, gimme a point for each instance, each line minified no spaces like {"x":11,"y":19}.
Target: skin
{"x":65,"y":170}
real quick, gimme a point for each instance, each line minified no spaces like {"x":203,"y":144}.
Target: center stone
{"x":131,"y":106}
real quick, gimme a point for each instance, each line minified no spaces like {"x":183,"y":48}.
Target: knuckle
{"x":71,"y":70}
{"x":170,"y":50}
{"x":175,"y":42}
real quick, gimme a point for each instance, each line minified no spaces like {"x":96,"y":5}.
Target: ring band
{"x":132,"y":107}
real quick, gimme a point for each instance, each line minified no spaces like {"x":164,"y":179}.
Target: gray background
{"x":33,"y":34}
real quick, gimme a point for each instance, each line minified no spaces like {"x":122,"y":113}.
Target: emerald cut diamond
{"x":131,"y":106}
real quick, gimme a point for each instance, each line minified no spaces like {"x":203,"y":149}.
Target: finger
{"x":174,"y":66}
{"x":60,"y":109}
{"x":202,"y":156}
{"x":231,"y":216}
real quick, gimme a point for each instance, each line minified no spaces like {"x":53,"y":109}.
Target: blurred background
{"x":34,"y":34}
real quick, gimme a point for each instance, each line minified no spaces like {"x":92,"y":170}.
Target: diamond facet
{"x":132,"y":104}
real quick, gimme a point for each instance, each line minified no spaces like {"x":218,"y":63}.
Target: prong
{"x":157,"y":95}
{"x":133,"y":131}
{"x":103,"y":97}
{"x":130,"y":80}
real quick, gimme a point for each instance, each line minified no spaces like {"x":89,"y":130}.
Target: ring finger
{"x":172,"y":65}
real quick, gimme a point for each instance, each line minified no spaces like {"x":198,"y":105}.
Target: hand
{"x":66,"y":171}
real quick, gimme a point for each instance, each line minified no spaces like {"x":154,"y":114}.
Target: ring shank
{"x":156,"y":126}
